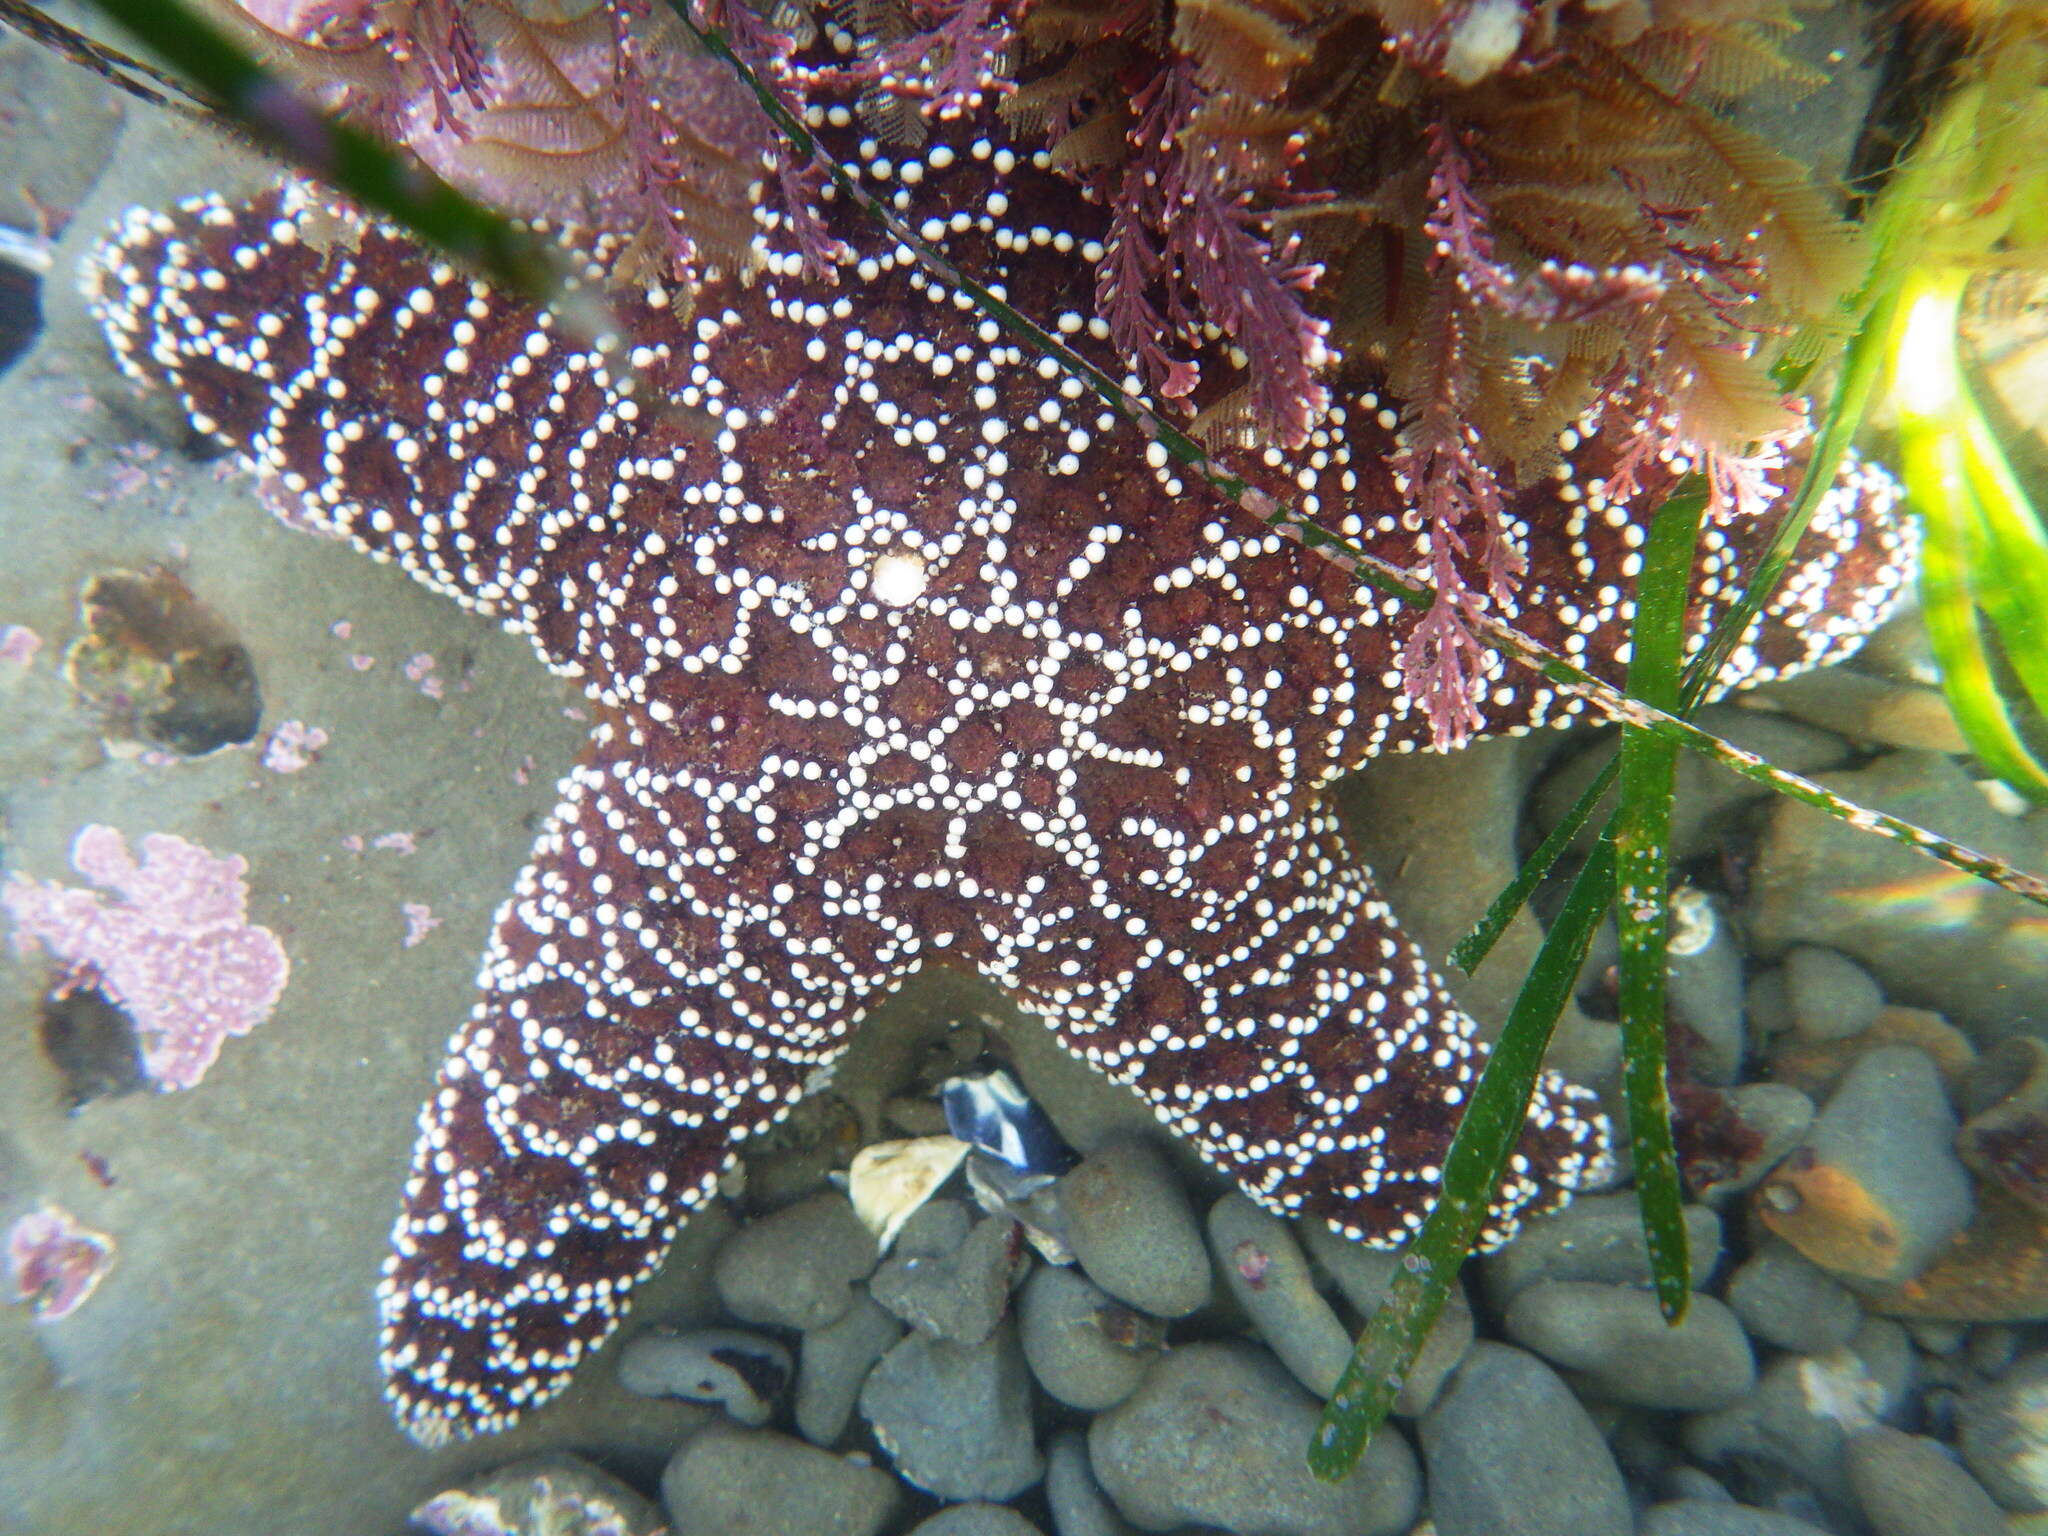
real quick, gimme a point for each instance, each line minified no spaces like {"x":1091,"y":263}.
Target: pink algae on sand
{"x":54,"y":1263}
{"x":175,"y":950}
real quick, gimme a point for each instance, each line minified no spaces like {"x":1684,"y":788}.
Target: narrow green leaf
{"x":1493,"y":1118}
{"x":1469,"y":951}
{"x":1642,"y":835}
{"x":1931,"y":461}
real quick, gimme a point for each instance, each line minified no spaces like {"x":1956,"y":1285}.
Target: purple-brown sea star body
{"x":902,"y":651}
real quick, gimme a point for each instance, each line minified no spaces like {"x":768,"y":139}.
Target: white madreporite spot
{"x":899,"y":579}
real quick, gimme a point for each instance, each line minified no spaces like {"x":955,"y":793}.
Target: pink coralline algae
{"x":19,"y":644}
{"x":54,"y":1264}
{"x":176,"y":952}
{"x":293,"y":747}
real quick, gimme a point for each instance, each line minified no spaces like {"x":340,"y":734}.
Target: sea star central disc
{"x":902,"y":650}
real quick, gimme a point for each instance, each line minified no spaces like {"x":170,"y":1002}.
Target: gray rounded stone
{"x":1085,"y":1347}
{"x":976,"y":1520}
{"x":1265,"y":1270}
{"x":1511,"y":1453}
{"x":742,"y":1373}
{"x":1830,"y":996}
{"x":728,"y":1481}
{"x":1908,"y":1485}
{"x":956,"y":1418}
{"x":1889,"y":1133}
{"x":1364,"y":1275}
{"x":954,"y":1290}
{"x":1618,"y":1337}
{"x":1079,"y":1506}
{"x":1777,"y":1115}
{"x":1217,"y":1436}
{"x":1132,"y":1230}
{"x":796,"y":1267}
{"x":2002,"y":1431}
{"x":1718,"y":1517}
{"x":833,"y":1361}
{"x":1784,"y":1298}
{"x":1704,"y":988}
{"x":1596,"y":1237}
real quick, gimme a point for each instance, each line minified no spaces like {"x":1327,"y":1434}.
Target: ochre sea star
{"x":901,"y":650}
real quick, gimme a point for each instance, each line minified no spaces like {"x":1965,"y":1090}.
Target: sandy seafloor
{"x":223,"y":1379}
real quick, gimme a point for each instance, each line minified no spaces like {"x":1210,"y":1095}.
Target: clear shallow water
{"x":223,"y":1378}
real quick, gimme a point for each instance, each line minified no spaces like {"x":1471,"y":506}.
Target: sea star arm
{"x":640,"y":1016}
{"x":1295,"y":1035}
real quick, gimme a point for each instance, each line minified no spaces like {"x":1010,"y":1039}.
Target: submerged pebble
{"x":1265,"y":1270}
{"x":1216,"y":1437}
{"x":742,"y":1373}
{"x":1618,"y":1338}
{"x":1132,"y":1230}
{"x":832,"y":1363}
{"x":1785,"y":1299}
{"x":726,"y":1479}
{"x":956,"y":1418}
{"x":1511,"y":1453}
{"x":796,"y":1267}
{"x":1086,"y":1348}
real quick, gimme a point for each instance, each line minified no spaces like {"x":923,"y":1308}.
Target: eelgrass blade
{"x":286,"y":122}
{"x":2009,"y":553}
{"x":1473,"y":949}
{"x":1931,"y":459}
{"x":1494,"y":1117}
{"x":1642,"y":839}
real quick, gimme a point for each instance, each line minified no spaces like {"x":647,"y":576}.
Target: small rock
{"x":1770,"y":1119}
{"x":742,"y":1373}
{"x":1364,"y":1275}
{"x":1873,"y":709}
{"x":1817,"y":1066}
{"x":1216,"y":1436}
{"x":1996,"y":1272}
{"x":1704,"y":990}
{"x":795,"y":1268}
{"x":539,"y":1496}
{"x":1908,"y":1485}
{"x":1618,"y":1337}
{"x":1132,"y":1230}
{"x":1800,"y":1414}
{"x":1079,"y":1506}
{"x":1596,"y":1237}
{"x":1786,"y":1299}
{"x":2005,"y":1138}
{"x":728,"y":1481}
{"x":956,"y":1417}
{"x":1718,"y":1517}
{"x":2002,"y":1431}
{"x":1768,"y":1002}
{"x":1085,"y":1347}
{"x":1875,"y":1190}
{"x":1963,"y":947}
{"x":976,"y":1520}
{"x":833,"y":1362}
{"x":951,"y":1290}
{"x":1511,"y":1453}
{"x":1265,"y":1269}
{"x":1830,"y":996}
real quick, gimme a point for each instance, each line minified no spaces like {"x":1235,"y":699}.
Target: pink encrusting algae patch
{"x":293,"y":746}
{"x":175,"y":952}
{"x":54,"y":1264}
{"x":19,"y":644}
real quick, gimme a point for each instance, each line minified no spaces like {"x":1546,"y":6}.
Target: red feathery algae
{"x":55,"y":1264}
{"x":176,"y":952}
